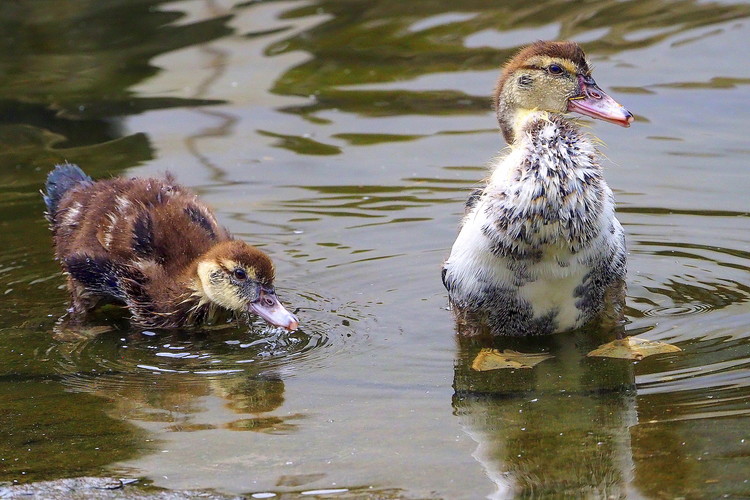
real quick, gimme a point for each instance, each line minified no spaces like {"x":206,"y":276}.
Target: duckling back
{"x":153,"y":222}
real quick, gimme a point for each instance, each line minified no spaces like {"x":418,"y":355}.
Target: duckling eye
{"x":239,"y":274}
{"x":554,"y":69}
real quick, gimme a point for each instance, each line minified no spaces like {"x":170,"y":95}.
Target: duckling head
{"x":554,"y":77}
{"x":239,"y":277}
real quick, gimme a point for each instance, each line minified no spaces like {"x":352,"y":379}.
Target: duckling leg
{"x":81,"y":302}
{"x":72,"y":325}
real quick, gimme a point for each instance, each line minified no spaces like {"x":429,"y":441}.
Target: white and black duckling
{"x":151,"y":245}
{"x":540,"y":250}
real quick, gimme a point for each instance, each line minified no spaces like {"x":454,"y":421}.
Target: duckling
{"x":540,"y":250}
{"x":151,"y":245}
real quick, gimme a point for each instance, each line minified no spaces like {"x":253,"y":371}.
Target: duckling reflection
{"x":560,"y":428}
{"x":179,"y":402}
{"x":142,"y":385}
{"x":255,"y":395}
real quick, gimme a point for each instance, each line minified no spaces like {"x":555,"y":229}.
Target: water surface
{"x":343,"y":137}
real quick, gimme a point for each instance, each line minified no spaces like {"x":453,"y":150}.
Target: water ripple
{"x":121,"y":358}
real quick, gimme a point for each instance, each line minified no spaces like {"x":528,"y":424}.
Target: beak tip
{"x":293,"y":325}
{"x":271,"y":310}
{"x":628,"y":120}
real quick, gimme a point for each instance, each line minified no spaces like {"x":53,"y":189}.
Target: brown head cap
{"x":246,"y":255}
{"x":562,"y":50}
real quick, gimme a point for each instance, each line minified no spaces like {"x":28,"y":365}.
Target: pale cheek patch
{"x":217,"y":288}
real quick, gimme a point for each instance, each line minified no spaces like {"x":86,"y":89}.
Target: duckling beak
{"x":268,"y":307}
{"x":594,"y":102}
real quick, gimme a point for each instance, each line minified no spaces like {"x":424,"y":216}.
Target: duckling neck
{"x":513,"y":120}
{"x":170,"y":304}
{"x":550,"y":183}
{"x":188,"y":306}
{"x":511,"y":114}
{"x":194,"y":304}
{"x":506,"y":112}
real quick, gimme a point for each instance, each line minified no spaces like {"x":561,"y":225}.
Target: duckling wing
{"x":102,"y":278}
{"x":99,"y":276}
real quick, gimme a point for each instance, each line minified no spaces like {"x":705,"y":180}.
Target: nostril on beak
{"x":595,"y":94}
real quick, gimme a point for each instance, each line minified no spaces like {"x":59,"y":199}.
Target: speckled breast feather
{"x":540,"y":245}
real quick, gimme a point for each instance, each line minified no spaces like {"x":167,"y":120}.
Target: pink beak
{"x":270,"y":309}
{"x":594,"y":102}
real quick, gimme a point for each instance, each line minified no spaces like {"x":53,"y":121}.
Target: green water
{"x":343,"y":137}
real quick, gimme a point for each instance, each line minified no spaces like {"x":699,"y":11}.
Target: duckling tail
{"x":64,"y":177}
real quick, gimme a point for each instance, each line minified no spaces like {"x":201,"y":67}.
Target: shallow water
{"x":343,"y":138}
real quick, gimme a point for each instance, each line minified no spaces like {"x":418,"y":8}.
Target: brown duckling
{"x":151,"y":245}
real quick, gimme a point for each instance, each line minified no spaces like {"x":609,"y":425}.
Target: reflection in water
{"x":178,"y":400}
{"x":586,"y":426}
{"x":605,"y":427}
{"x":165,"y":378}
{"x":155,"y":376}
{"x":560,"y":428}
{"x":78,"y":70}
{"x":219,"y":60}
{"x":81,"y":82}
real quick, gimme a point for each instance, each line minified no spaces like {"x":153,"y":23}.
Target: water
{"x":343,"y":138}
